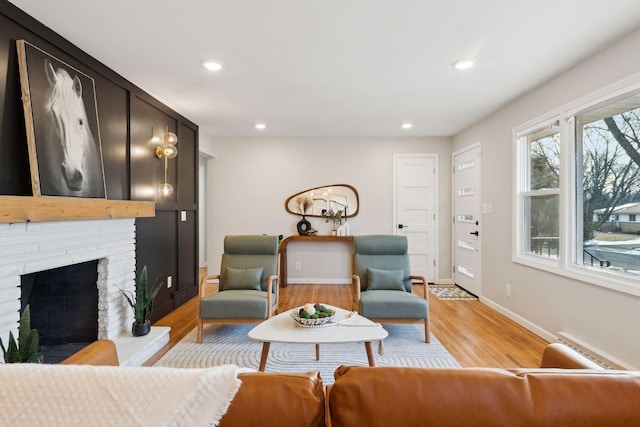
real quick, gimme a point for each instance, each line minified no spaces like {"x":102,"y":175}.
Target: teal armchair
{"x":248,"y":283}
{"x":383,"y":283}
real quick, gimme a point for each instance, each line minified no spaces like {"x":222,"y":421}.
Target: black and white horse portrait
{"x":65,"y":127}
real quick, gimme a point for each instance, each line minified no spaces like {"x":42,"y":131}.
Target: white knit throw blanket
{"x":80,"y":395}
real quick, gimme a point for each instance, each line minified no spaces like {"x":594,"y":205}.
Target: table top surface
{"x":347,"y":326}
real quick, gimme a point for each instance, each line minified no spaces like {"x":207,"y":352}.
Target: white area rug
{"x":224,"y":344}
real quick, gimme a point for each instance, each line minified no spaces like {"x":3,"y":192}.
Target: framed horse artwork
{"x":61,"y":118}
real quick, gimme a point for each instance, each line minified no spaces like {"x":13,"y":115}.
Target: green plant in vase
{"x":142,"y":304}
{"x":335,"y":216}
{"x":25,"y":350}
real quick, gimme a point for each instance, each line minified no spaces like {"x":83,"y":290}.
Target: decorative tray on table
{"x":313,"y":315}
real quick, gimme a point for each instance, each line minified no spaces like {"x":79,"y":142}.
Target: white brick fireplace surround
{"x":30,"y":247}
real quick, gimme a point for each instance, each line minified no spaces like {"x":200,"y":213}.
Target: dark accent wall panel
{"x":148,"y":127}
{"x":113,"y":114}
{"x":187,"y":165}
{"x":156,"y":248}
{"x":187,"y":257}
{"x":14,"y":162}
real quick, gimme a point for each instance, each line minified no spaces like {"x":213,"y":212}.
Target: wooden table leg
{"x":317,"y":351}
{"x":370,"y":355}
{"x":263,"y":356}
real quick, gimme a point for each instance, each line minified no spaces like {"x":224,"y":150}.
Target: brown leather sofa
{"x":392,"y":396}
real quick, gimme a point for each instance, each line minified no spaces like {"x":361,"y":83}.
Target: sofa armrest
{"x":558,"y":355}
{"x":101,"y":352}
{"x":271,"y":399}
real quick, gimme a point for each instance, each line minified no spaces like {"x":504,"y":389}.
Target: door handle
{"x":402,"y":226}
{"x":475,"y":233}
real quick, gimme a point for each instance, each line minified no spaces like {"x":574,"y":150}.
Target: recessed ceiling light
{"x":212,"y":65}
{"x":407,"y":126}
{"x":260,"y":126}
{"x":463,"y":64}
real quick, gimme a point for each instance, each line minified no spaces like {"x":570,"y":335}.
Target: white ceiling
{"x":339,"y":68}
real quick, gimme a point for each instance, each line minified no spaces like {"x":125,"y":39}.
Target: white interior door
{"x":415,"y":201}
{"x":466,"y":229}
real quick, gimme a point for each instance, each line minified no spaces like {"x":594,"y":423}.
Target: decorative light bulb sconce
{"x":168,"y":151}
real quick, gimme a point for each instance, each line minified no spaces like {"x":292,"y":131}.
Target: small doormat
{"x":451,"y":293}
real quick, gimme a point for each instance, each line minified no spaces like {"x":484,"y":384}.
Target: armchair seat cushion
{"x":236,"y":304}
{"x":385,"y":304}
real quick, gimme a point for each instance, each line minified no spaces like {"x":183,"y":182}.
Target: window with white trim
{"x":540,"y":191}
{"x":577,"y":189}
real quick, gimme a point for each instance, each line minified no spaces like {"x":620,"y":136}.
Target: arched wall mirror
{"x":316,"y":202}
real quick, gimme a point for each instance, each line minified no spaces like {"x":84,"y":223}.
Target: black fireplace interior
{"x":64,"y":308}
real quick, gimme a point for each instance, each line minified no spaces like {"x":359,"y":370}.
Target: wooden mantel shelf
{"x":39,"y":209}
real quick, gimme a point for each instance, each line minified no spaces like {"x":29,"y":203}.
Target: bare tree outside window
{"x":609,"y":174}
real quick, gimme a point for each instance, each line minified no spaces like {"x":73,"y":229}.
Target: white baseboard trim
{"x":591,"y":351}
{"x":323,"y":281}
{"x":542,"y":333}
{"x":338,"y":281}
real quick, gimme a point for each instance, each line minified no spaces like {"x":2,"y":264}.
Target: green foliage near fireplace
{"x":25,"y":350}
{"x":142,"y":303}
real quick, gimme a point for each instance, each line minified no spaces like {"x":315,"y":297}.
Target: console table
{"x":285,"y":242}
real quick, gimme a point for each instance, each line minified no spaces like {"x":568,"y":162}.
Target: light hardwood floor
{"x":473,"y":333}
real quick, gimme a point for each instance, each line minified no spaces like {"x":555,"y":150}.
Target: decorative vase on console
{"x":304,"y":202}
{"x":303,"y":226}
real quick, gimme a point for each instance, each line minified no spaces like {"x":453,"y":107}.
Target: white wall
{"x":545,"y":302}
{"x":249,"y":180}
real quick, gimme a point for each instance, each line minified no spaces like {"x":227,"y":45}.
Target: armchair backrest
{"x":250,"y":252}
{"x":384,"y":252}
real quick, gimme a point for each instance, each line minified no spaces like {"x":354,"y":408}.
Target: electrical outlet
{"x":507,"y":289}
{"x":169,"y":280}
{"x":298,"y":265}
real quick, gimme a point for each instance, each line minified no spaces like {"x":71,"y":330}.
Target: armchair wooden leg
{"x":200,"y":326}
{"x":427,"y":334}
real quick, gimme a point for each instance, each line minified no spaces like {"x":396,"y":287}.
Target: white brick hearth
{"x":36,"y":246}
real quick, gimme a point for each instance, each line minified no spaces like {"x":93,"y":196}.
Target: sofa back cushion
{"x":268,"y":399}
{"x":382,"y":396}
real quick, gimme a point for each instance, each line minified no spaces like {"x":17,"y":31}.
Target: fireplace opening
{"x":64,"y":308}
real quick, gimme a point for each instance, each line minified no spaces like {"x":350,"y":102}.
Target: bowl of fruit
{"x":311,"y":315}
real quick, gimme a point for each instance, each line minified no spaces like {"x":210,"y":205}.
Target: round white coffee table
{"x":347,"y":327}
